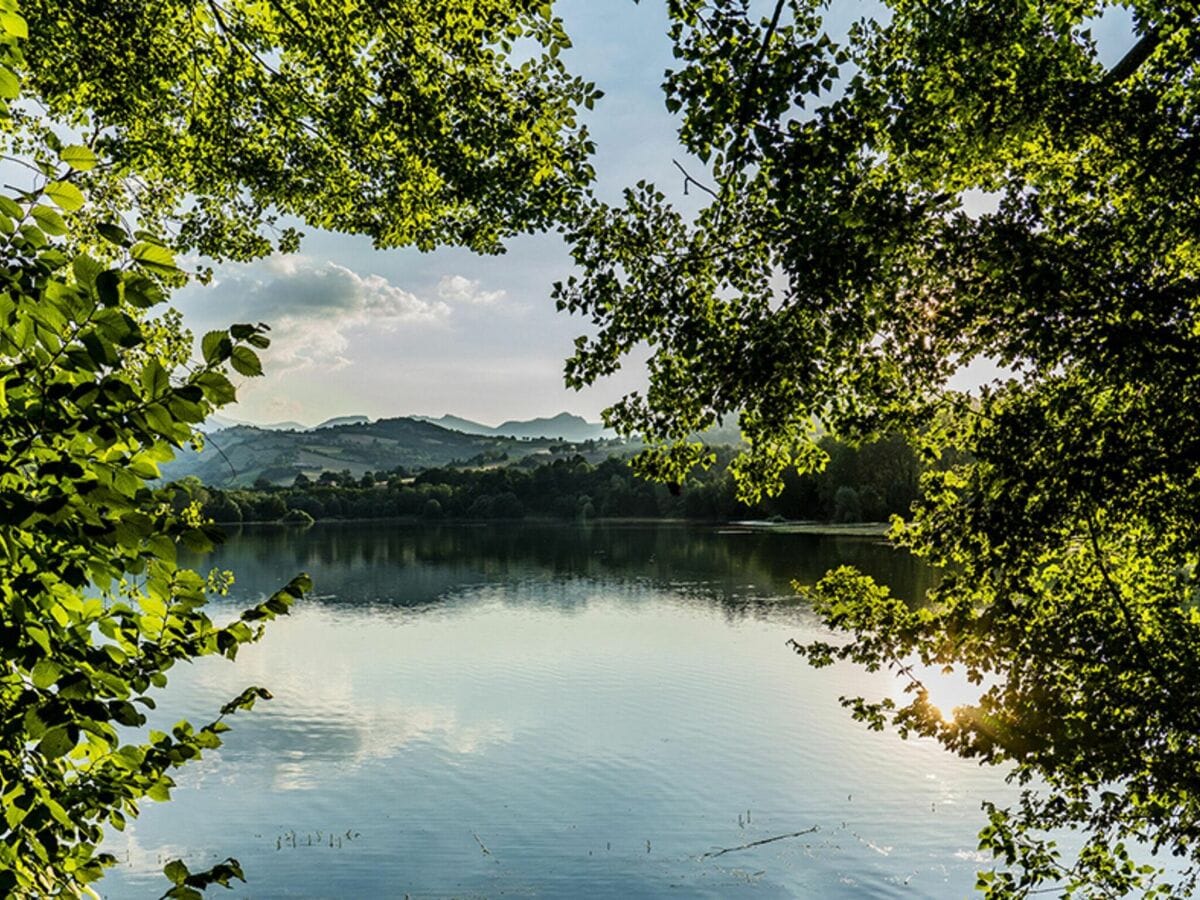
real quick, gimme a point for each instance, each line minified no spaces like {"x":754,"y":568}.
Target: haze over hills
{"x":217,"y":422}
{"x":564,"y":426}
{"x":341,"y":420}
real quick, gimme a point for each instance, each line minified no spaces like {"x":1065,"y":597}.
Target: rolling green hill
{"x":241,"y":455}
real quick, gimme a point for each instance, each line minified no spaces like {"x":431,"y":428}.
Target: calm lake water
{"x":553,"y":711}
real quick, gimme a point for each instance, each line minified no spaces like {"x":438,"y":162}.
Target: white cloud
{"x":314,"y":308}
{"x":459,"y":290}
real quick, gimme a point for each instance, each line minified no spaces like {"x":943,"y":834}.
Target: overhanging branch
{"x":1133,"y":60}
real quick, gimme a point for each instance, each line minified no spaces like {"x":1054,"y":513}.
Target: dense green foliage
{"x":94,"y":610}
{"x":414,"y":123}
{"x":867,"y":484}
{"x":952,"y":182}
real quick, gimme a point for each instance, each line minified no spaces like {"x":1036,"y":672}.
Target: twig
{"x":1145,"y":655}
{"x":770,"y":840}
{"x":232,"y":468}
{"x":745,"y":112}
{"x":688,"y":179}
{"x":486,"y":851}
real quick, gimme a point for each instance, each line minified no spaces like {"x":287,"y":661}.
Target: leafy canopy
{"x":945,"y":183}
{"x":413,"y":123}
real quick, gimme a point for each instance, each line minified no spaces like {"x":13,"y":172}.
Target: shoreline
{"x":820,"y":529}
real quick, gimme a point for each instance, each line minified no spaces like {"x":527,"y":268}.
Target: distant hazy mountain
{"x":564,"y":426}
{"x":567,"y":427}
{"x":238,"y":453}
{"x":342,"y":420}
{"x":217,"y":422}
{"x":457,"y":423}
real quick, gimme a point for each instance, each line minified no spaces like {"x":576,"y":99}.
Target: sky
{"x":358,"y":331}
{"x":386,"y":333}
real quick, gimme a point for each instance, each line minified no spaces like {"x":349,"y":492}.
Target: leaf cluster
{"x":94,"y":608}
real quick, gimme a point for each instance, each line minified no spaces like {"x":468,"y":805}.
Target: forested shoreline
{"x":860,"y":484}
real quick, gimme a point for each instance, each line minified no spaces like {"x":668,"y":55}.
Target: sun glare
{"x":945,"y":691}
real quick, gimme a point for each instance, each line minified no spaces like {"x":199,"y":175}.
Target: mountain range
{"x":216,"y":422}
{"x":564,"y":426}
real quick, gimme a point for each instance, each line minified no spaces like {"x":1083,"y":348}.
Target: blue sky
{"x":387,"y":333}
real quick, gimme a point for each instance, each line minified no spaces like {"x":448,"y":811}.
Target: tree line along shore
{"x":867,"y":483}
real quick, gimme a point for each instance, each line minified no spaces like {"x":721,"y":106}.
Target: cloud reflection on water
{"x":568,"y":694}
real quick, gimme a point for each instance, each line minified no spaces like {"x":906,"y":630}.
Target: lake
{"x":552,"y":710}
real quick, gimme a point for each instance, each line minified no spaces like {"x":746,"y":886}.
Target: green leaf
{"x":149,"y":237}
{"x":162,"y":423}
{"x":176,"y":871}
{"x":217,"y":388}
{"x":154,"y":257}
{"x":78,"y":157}
{"x":161,"y":546}
{"x":65,"y":195}
{"x":246,"y":362}
{"x":14,"y":25}
{"x":56,"y":742}
{"x":242,"y":331}
{"x":114,"y":234}
{"x":33,"y":236}
{"x":216,"y":347}
{"x":86,"y":270}
{"x":49,"y":220}
{"x":155,"y":381}
{"x":142,"y":292}
{"x":10,"y":86}
{"x":108,"y":287}
{"x":53,"y":259}
{"x":45,"y":673}
{"x":196,"y":540}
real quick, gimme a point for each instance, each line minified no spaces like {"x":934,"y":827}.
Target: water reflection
{"x":418,"y":565}
{"x":555,"y":711}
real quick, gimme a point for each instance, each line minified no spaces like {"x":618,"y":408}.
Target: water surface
{"x":554,"y":711}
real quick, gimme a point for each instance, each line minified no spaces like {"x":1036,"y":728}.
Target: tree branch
{"x":1133,"y":60}
{"x":688,"y":179}
{"x":745,"y":114}
{"x":770,"y":840}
